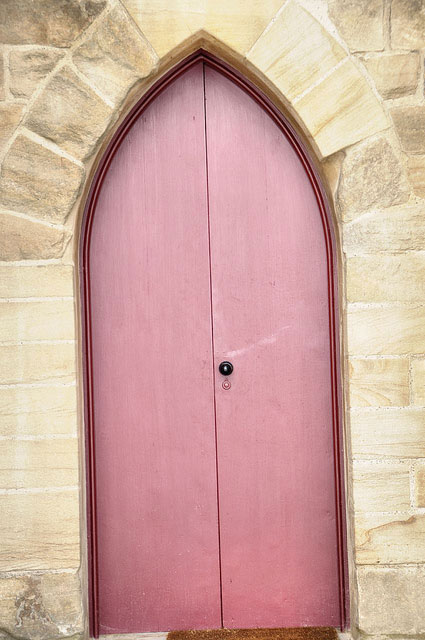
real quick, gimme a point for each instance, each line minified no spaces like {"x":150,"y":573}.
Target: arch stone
{"x":77,"y":106}
{"x":106,"y":54}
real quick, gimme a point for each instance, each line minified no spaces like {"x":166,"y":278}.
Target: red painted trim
{"x":330,"y":240}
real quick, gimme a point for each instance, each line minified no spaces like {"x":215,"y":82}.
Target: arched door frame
{"x":331,"y":255}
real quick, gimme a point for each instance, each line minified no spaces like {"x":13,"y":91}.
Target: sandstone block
{"x":332,"y":167}
{"x":41,"y":606}
{"x":37,"y":362}
{"x":38,"y":182}
{"x":420,"y":485}
{"x":2,"y":91}
{"x":22,"y":239}
{"x":360,"y":23}
{"x":29,"y":411}
{"x":38,"y":463}
{"x":371,"y":177}
{"x":51,"y":22}
{"x":70,"y":113}
{"x":46,"y":537}
{"x":408,"y":24}
{"x":116,"y":56}
{"x":238,"y":24}
{"x":396,"y":278}
{"x":37,"y":281}
{"x":10,"y":117}
{"x":389,"y":539}
{"x":416,"y":174}
{"x":382,"y":486}
{"x":50,"y":320}
{"x":28,"y":68}
{"x":395,"y":75}
{"x":391,"y":600}
{"x":418,"y":381}
{"x":398,"y":229}
{"x":396,"y":433}
{"x":353,"y":113}
{"x":181,"y":20}
{"x":410,"y":126}
{"x":282,"y":55}
{"x":379,"y":382}
{"x":386,"y":331}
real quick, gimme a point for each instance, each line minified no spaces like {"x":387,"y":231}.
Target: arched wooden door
{"x":216,"y":498}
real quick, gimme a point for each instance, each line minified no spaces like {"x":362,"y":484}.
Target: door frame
{"x":331,"y":255}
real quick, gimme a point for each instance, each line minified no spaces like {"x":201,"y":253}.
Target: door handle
{"x":225,"y":368}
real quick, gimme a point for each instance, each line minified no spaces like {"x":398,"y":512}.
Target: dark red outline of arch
{"x":86,"y":227}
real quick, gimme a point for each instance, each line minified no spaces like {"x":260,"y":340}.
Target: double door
{"x":215,"y":494}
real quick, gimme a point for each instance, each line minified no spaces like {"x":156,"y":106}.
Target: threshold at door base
{"x":163,"y":635}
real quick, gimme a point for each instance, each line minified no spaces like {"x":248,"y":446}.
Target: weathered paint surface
{"x":271,"y":320}
{"x":153,"y":389}
{"x":211,"y":499}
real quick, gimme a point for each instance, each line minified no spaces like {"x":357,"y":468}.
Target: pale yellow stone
{"x":385,"y":330}
{"x":391,"y":601}
{"x":35,"y":411}
{"x":389,"y":539}
{"x":39,"y":531}
{"x":379,"y":382}
{"x":38,"y":182}
{"x":418,"y":381}
{"x":38,"y":463}
{"x":416,"y":173}
{"x":22,"y":239}
{"x":47,"y":320}
{"x":408,"y":24}
{"x":351,"y":113}
{"x":70,"y":113}
{"x":237,"y":23}
{"x":331,"y":167}
{"x":47,"y":22}
{"x":37,"y":362}
{"x":398,"y":229}
{"x":360,"y":23}
{"x":383,"y":486}
{"x":29,"y":67}
{"x":386,"y":278}
{"x":394,"y":75}
{"x":43,"y":605}
{"x":398,"y":433}
{"x":281,"y":52}
{"x":409,"y":124}
{"x":36,"y":281}
{"x":116,"y":55}
{"x":420,"y":485}
{"x":2,"y":90}
{"x":10,"y":117}
{"x":372,"y":176}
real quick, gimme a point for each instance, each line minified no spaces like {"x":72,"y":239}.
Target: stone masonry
{"x":350,"y":73}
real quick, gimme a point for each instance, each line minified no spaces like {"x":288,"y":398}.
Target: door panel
{"x":199,"y":195}
{"x":157,"y":532}
{"x":271,"y":320}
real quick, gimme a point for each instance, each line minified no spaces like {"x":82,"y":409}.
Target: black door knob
{"x":225,"y":368}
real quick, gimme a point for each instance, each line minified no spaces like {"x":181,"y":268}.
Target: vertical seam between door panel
{"x":212,"y":348}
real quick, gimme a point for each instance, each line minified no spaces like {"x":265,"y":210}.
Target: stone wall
{"x":351,"y":74}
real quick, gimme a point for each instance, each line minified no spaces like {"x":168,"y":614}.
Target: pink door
{"x":215,"y":495}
